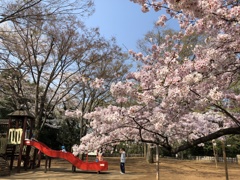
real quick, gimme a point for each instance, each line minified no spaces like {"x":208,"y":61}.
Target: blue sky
{"x":124,"y":20}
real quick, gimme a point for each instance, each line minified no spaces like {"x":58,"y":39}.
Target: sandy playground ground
{"x":136,"y":168}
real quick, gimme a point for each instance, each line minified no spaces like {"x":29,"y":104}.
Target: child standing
{"x":122,"y":160}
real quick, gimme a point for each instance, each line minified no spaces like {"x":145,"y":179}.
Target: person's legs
{"x":122,"y":167}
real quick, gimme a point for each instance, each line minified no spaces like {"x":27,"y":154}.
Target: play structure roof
{"x":21,"y":113}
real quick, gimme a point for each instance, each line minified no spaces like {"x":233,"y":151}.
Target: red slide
{"x":86,"y":166}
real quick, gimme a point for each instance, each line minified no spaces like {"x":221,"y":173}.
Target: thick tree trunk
{"x":145,"y":150}
{"x":149,"y":154}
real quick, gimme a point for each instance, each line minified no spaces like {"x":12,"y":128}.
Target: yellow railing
{"x":14,"y":136}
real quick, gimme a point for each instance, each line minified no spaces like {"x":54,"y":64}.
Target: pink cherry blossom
{"x":171,"y":100}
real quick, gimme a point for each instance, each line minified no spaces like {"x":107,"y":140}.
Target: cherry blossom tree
{"x":157,"y":36}
{"x":178,"y":100}
{"x":94,"y":88}
{"x":24,"y":25}
{"x":17,"y":10}
{"x":45,"y":62}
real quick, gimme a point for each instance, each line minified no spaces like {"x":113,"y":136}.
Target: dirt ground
{"x":136,"y":168}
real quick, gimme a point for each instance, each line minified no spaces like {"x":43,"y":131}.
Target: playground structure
{"x":18,"y":143}
{"x":20,"y":127}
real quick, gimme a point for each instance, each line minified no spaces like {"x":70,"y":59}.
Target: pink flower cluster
{"x":170,"y":99}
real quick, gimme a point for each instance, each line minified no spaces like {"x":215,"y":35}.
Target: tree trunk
{"x":145,"y":150}
{"x":225,"y":159}
{"x":215,"y":152}
{"x":157,"y":163}
{"x":149,"y":154}
{"x":81,"y":155}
